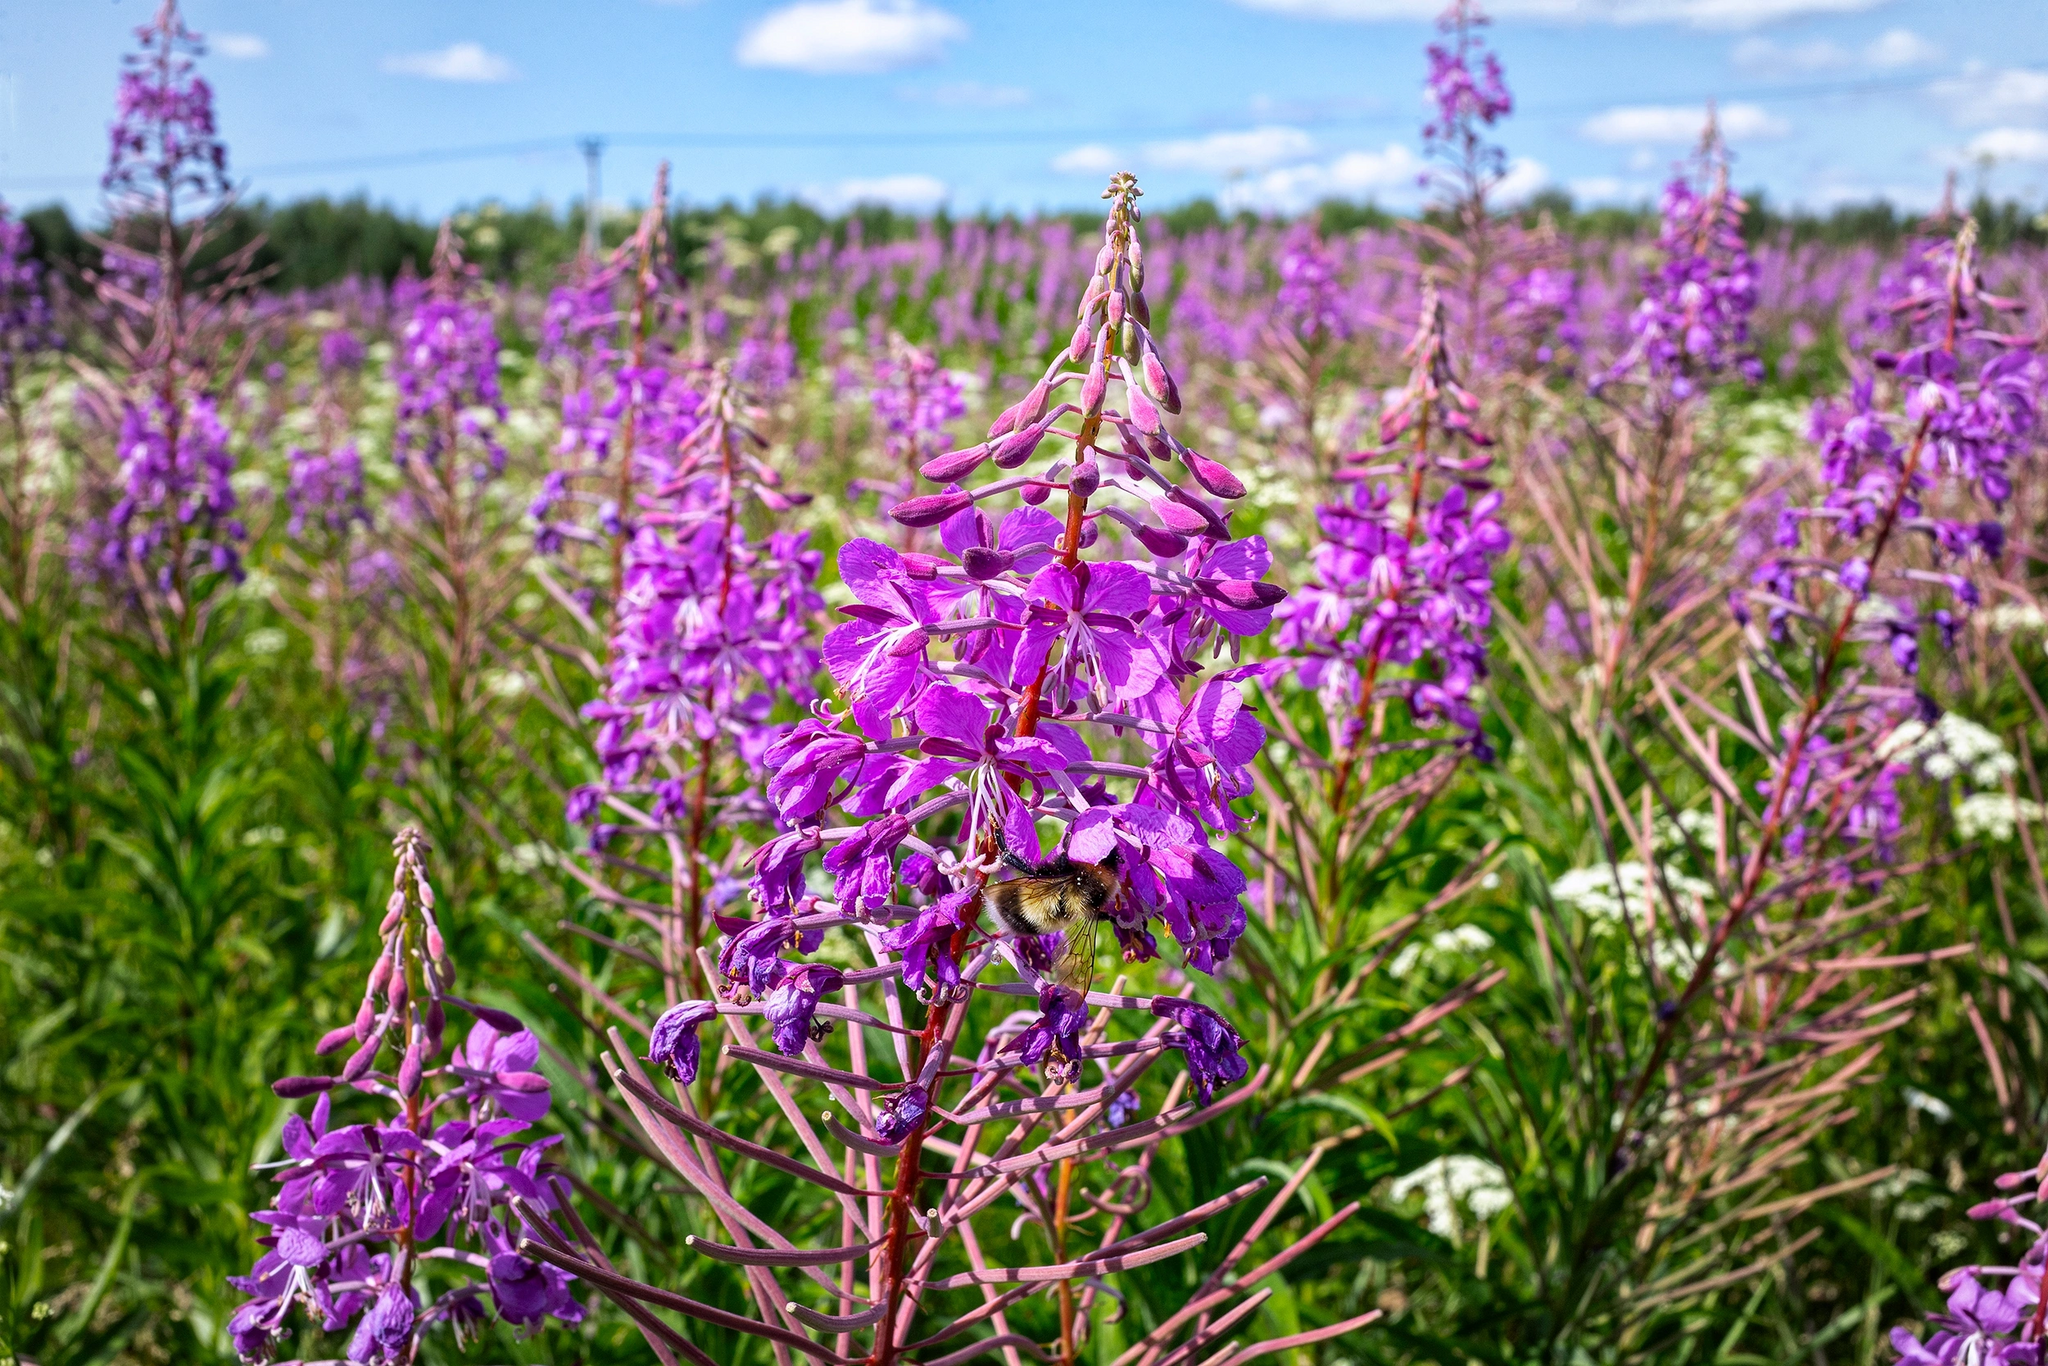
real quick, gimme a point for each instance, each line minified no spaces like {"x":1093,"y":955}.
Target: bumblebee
{"x":1059,"y":896}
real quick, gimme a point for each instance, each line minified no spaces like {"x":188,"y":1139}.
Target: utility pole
{"x":593,"y":213}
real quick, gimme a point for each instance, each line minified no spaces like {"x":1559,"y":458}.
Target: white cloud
{"x":1699,"y":13}
{"x":1393,"y":172}
{"x":469,"y":62}
{"x":1984,"y":96}
{"x":1892,"y":50}
{"x":827,"y":37}
{"x":1090,"y":158}
{"x":1607,"y":189}
{"x":242,"y":47}
{"x":915,"y":193}
{"x":2009,"y":144}
{"x":1641,"y":124}
{"x":1767,"y":57}
{"x":1525,"y":177}
{"x":1900,"y":47}
{"x":1251,"y":150}
{"x":967,"y":95}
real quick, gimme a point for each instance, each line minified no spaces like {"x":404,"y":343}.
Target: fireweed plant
{"x":399,"y":1225}
{"x":452,"y":529}
{"x":992,"y":691}
{"x":913,"y":398}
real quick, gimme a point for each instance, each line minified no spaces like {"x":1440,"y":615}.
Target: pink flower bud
{"x":1018,"y":447}
{"x":1005,"y":420}
{"x":409,"y":1071}
{"x":1078,"y":347}
{"x":1178,"y":516}
{"x":1097,"y":384}
{"x":1034,"y":494}
{"x":1159,"y":383}
{"x":1116,"y":309}
{"x":437,"y":947}
{"x":1085,"y":479}
{"x":366,"y":1015}
{"x":1165,"y":544}
{"x":982,"y":563}
{"x":1090,"y":534}
{"x":923,"y":567}
{"x":526,"y":1083}
{"x":359,"y":1061}
{"x":291,"y":1088}
{"x":932,"y":508}
{"x":954,"y":465}
{"x":380,"y":973}
{"x":1242,"y":593}
{"x":1212,"y":476}
{"x":392,"y":918}
{"x":1105,"y":258}
{"x":333,"y":1039}
{"x":1144,"y":412}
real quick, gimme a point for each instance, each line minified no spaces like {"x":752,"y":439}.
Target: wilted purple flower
{"x":1206,"y":1039}
{"x":901,"y":1112}
{"x":791,"y":1003}
{"x":674,"y":1045}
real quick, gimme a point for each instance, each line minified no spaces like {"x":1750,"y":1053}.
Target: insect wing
{"x":1075,"y":966}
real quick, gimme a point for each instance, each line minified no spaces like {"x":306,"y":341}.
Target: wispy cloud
{"x":465,"y":62}
{"x":967,"y":95}
{"x":1893,"y":50}
{"x":1985,"y":95}
{"x":1698,"y":13}
{"x":240,"y":47}
{"x":1393,"y":172}
{"x":1636,"y":125}
{"x":839,"y":37}
{"x":1253,"y":149}
{"x":2009,"y":144}
{"x":916,"y":193}
{"x":1090,"y":158}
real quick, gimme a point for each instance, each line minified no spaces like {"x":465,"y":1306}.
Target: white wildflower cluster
{"x":1994,"y":815}
{"x":1464,"y":939}
{"x":1446,"y":1180}
{"x":1952,"y":747}
{"x":1605,"y":892}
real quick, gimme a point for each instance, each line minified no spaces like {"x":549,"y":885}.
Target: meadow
{"x":1129,"y":789}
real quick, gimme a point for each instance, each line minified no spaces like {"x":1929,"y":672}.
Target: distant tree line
{"x":306,"y":243}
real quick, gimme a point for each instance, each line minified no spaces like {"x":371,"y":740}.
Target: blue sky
{"x":1010,"y":104}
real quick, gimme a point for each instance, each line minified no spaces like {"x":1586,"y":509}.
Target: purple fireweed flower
{"x":26,"y":327}
{"x":1985,"y":1321}
{"x":1468,"y":94}
{"x":445,"y":365}
{"x":341,"y":352}
{"x":163,"y":144}
{"x":1693,"y":321}
{"x":990,"y":684}
{"x":674,"y":1045}
{"x":324,"y":488}
{"x":912,"y":397}
{"x":419,"y":1179}
{"x":175,"y":517}
{"x":1404,"y":577}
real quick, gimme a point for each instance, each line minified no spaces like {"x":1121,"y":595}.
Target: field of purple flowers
{"x":1447,"y":793}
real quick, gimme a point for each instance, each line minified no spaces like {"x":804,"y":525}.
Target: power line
{"x":795,"y":140}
